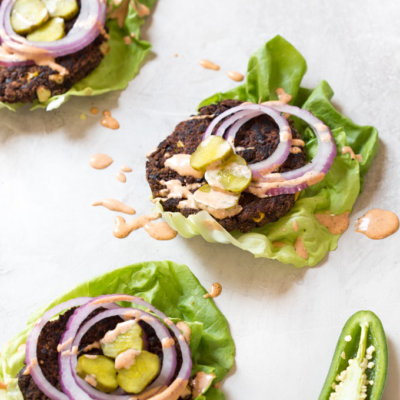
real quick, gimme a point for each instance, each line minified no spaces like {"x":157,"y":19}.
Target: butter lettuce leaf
{"x":278,"y":64}
{"x":116,"y":69}
{"x":170,"y":287}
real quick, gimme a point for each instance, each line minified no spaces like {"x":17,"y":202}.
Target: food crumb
{"x":347,"y":338}
{"x":83,"y":116}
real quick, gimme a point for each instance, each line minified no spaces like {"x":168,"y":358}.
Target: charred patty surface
{"x":258,"y":139}
{"x":20,"y":84}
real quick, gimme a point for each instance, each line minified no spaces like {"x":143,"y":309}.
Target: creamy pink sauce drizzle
{"x":349,"y":150}
{"x":115,"y":205}
{"x":122,"y":228}
{"x":141,"y":9}
{"x":121,"y":177}
{"x":201,"y":382}
{"x":300,"y":248}
{"x":120,"y":329}
{"x":126,"y":359}
{"x":167,"y":343}
{"x":209,"y":65}
{"x":336,"y":224}
{"x":215,"y":291}
{"x":235,"y":76}
{"x":378,"y":224}
{"x":100,"y":161}
{"x":126,"y":168}
{"x":295,"y":226}
{"x":180,"y":163}
{"x":283,"y":96}
{"x":185,"y":329}
{"x":108,"y":121}
{"x":160,"y":230}
{"x":91,"y":380}
{"x":3,"y":385}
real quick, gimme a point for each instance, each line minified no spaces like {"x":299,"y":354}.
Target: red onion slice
{"x":243,"y":113}
{"x":86,"y":28}
{"x":293,"y":181}
{"x":70,"y":386}
{"x":31,"y":348}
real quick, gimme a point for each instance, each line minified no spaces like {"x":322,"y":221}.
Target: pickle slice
{"x":49,"y":32}
{"x":233,"y":175}
{"x":131,"y":339}
{"x":214,"y":148}
{"x":99,"y":371}
{"x":66,"y":9}
{"x":26,"y":15}
{"x":140,"y":374}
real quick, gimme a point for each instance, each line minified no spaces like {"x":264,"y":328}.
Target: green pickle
{"x":66,"y":9}
{"x":27,"y":15}
{"x":100,"y":369}
{"x":359,"y":366}
{"x":49,"y":32}
{"x":135,"y":379}
{"x":232,"y":175}
{"x":210,"y":150}
{"x":132,"y":339}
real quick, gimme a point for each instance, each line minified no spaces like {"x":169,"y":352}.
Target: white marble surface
{"x":285,"y":321}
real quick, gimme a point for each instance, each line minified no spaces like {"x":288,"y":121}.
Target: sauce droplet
{"x":160,"y":231}
{"x":125,"y":168}
{"x":100,"y":161}
{"x":209,"y":65}
{"x":141,"y":9}
{"x":115,"y":205}
{"x":215,"y":291}
{"x":235,"y":76}
{"x":201,"y":382}
{"x":378,"y":224}
{"x":121,"y":176}
{"x":83,"y":116}
{"x":122,"y":228}
{"x":336,"y":224}
{"x":94,"y":110}
{"x":300,"y":248}
{"x":349,"y":150}
{"x":283,"y":96}
{"x":127,"y":40}
{"x":108,"y":121}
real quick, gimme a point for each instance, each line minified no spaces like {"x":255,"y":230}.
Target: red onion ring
{"x":31,"y":348}
{"x":168,"y":364}
{"x":87,"y":27}
{"x":242,"y":114}
{"x":293,"y":181}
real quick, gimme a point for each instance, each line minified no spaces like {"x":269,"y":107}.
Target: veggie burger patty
{"x":25,"y":83}
{"x":255,"y":141}
{"x":48,"y":354}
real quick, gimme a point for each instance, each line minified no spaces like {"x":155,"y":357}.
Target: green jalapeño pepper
{"x":359,"y":365}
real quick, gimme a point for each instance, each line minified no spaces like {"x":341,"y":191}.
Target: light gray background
{"x":285,"y":321}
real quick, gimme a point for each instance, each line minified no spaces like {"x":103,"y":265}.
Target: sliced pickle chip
{"x":49,"y":32}
{"x":26,"y":15}
{"x":206,"y":196}
{"x":66,"y":9}
{"x":212,"y":149}
{"x":140,"y":374}
{"x":131,"y":339}
{"x":233,"y":175}
{"x":98,"y":371}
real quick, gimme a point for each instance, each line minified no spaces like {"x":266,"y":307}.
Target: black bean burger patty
{"x":50,"y":338}
{"x":20,"y":84}
{"x":258,"y":139}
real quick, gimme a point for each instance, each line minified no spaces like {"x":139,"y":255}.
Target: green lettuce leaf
{"x":170,"y":287}
{"x":279,"y":65}
{"x":116,"y":69}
